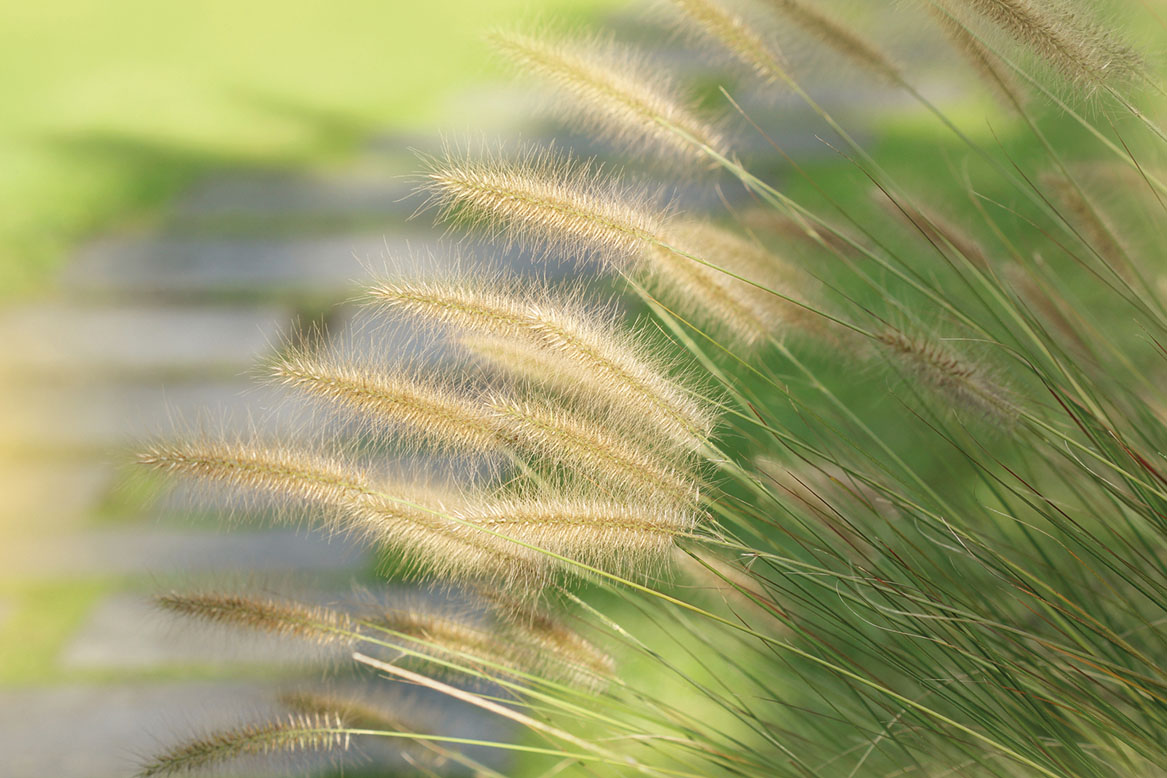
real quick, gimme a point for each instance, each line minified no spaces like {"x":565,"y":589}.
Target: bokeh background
{"x":184,"y":187}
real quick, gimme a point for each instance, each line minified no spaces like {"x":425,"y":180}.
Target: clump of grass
{"x":702,"y":544}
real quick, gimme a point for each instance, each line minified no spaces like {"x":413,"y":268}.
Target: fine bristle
{"x":713,"y":21}
{"x":1079,"y":50}
{"x":546,"y":201}
{"x":839,"y":36}
{"x":295,"y":734}
{"x":317,"y":624}
{"x":617,"y":91}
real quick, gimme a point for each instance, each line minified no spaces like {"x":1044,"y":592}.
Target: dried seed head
{"x":426,"y":409}
{"x":593,"y":353}
{"x":296,"y":734}
{"x":627,"y":538}
{"x":727,"y":306}
{"x":840,"y":37}
{"x":309,"y":622}
{"x":1078,"y":49}
{"x":960,"y":382}
{"x":432,"y":541}
{"x":712,"y":20}
{"x":983,"y":62}
{"x":580,"y":661}
{"x":618,"y":91}
{"x":600,"y":454}
{"x":547,"y":202}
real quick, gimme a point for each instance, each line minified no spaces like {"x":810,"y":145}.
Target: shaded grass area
{"x":110,"y":109}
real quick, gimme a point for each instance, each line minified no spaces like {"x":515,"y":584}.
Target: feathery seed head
{"x":961,"y":382}
{"x":546,"y":201}
{"x":839,"y":36}
{"x":310,"y":622}
{"x":425,"y":408}
{"x":620,"y":93}
{"x":435,"y":543}
{"x":593,"y":353}
{"x":729,"y":307}
{"x":1075,"y":47}
{"x":983,"y":62}
{"x":600,"y":454}
{"x":712,"y":20}
{"x":623,"y":537}
{"x":295,"y":734}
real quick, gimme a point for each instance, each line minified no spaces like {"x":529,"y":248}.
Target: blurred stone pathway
{"x":147,"y":331}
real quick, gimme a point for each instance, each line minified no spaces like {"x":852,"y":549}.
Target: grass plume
{"x":713,"y":20}
{"x":436,"y":544}
{"x":589,"y":349}
{"x":546,"y":201}
{"x":314,"y":623}
{"x":839,"y":37}
{"x":959,"y":381}
{"x":619,"y":93}
{"x":1076,"y":48}
{"x":294,"y":734}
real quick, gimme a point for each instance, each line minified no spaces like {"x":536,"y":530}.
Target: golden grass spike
{"x":566,"y":653}
{"x":714,"y":21}
{"x":314,"y":623}
{"x":546,"y":201}
{"x":983,"y":62}
{"x":600,"y":454}
{"x":1078,"y":49}
{"x":426,"y":409}
{"x":433,"y":542}
{"x":618,"y":91}
{"x":840,"y":37}
{"x":725,"y":305}
{"x":959,"y":381}
{"x":603,"y":361}
{"x":616,"y":536}
{"x":295,"y":734}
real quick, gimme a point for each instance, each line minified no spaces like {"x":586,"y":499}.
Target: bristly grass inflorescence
{"x":698,"y":522}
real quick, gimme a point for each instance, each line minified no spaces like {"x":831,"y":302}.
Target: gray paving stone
{"x":360,"y":193}
{"x":65,"y":337}
{"x":48,"y":496}
{"x":323,"y":267}
{"x":160,"y":552}
{"x":107,"y":418}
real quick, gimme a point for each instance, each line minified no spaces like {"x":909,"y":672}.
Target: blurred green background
{"x":110,"y":107}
